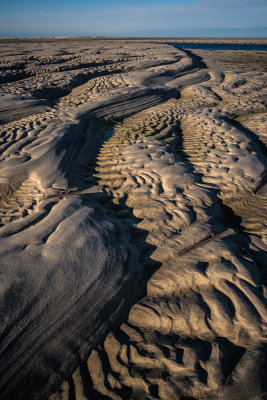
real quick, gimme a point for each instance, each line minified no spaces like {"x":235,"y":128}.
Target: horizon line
{"x":130,"y":37}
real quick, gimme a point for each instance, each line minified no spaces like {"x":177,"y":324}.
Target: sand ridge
{"x":153,"y":172}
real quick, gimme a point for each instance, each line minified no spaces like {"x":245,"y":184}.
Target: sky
{"x":133,"y":18}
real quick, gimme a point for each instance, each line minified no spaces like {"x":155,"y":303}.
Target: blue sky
{"x":29,"y":18}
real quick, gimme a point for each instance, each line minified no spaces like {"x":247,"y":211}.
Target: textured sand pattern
{"x":203,"y":308}
{"x":135,"y":206}
{"x":22,"y":202}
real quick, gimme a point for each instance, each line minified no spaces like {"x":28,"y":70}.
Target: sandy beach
{"x":133,"y":221}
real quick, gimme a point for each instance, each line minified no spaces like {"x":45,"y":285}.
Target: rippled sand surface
{"x":133,"y":229}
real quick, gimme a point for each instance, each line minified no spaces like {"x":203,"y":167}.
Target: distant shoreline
{"x":239,"y":40}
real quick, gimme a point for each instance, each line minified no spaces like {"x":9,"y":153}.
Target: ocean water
{"x":221,"y":46}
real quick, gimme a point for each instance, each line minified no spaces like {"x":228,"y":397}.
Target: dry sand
{"x":133,"y":228}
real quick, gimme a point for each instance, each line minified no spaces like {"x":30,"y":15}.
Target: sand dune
{"x":133,"y":222}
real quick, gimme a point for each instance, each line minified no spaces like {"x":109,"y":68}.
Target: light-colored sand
{"x":133,"y":213}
